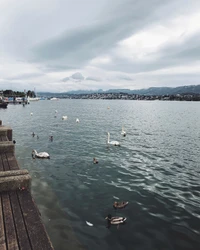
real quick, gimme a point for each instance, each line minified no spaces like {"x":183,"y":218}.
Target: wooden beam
{"x":13,"y":164}
{"x":11,"y":238}
{"x":36,"y":231}
{"x":2,"y":232}
{"x":5,"y":162}
{"x":21,"y":230}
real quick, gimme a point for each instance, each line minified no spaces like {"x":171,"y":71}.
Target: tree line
{"x":11,"y":93}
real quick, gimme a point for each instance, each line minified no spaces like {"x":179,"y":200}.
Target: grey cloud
{"x":77,"y":76}
{"x":74,"y":77}
{"x":126,"y":78}
{"x":170,"y":55}
{"x":49,"y":67}
{"x":25,"y":76}
{"x":93,"y":78}
{"x":66,"y":79}
{"x":76,"y":47}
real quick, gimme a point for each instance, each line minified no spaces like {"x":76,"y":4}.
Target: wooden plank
{"x":4,"y":138}
{"x":22,"y":235}
{"x":2,"y":233}
{"x":5,"y":162}
{"x":1,"y":163}
{"x":11,"y":238}
{"x":37,"y":233}
{"x":12,"y":162}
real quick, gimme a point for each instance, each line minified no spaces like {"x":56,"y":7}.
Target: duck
{"x":43,"y":155}
{"x":123,"y":132}
{"x":115,"y":220}
{"x":120,"y":205}
{"x":115,"y":143}
{"x":77,"y":120}
{"x":64,"y":117}
{"x":95,"y":161}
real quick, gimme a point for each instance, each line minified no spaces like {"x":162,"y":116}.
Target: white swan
{"x":123,"y":132}
{"x":77,"y":120}
{"x":64,"y":117}
{"x":40,"y":155}
{"x":115,"y":143}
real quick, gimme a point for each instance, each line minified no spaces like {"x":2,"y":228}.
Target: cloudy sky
{"x":62,"y":45}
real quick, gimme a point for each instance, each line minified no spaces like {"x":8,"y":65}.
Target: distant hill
{"x":192,"y":89}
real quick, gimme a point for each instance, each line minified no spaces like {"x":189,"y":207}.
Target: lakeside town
{"x":125,"y":96}
{"x":24,"y":98}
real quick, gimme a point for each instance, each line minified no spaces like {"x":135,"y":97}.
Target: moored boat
{"x":3,"y":102}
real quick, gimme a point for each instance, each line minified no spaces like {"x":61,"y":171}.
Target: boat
{"x":30,"y":99}
{"x":3,"y":105}
{"x":119,"y":205}
{"x":3,"y":102}
{"x":54,"y":99}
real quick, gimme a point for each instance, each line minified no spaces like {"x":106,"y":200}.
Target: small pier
{"x":21,"y":227}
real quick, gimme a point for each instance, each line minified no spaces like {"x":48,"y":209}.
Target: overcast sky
{"x":62,"y":45}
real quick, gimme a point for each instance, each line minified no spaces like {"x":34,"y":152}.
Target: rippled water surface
{"x":156,"y":169}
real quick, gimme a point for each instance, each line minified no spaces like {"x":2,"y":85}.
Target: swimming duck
{"x":121,"y":204}
{"x":95,"y":161}
{"x":40,"y":155}
{"x":115,"y":220}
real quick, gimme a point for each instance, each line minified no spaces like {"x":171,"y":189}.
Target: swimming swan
{"x":115,"y":143}
{"x":64,"y":117}
{"x":123,"y":132}
{"x":40,"y":155}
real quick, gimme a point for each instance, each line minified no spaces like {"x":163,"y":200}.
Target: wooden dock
{"x":21,"y":227}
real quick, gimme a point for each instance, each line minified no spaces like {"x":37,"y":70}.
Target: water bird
{"x":77,"y":120}
{"x":64,"y":117}
{"x":115,"y":220}
{"x":123,"y":132}
{"x":115,"y":143}
{"x":43,"y":155}
{"x":120,"y":205}
{"x":14,"y":141}
{"x":95,"y":161}
{"x":51,"y":137}
{"x":33,"y":134}
{"x":31,"y":113}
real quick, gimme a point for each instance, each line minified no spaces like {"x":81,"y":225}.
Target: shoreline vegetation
{"x":125,"y":96}
{"x":106,"y":96}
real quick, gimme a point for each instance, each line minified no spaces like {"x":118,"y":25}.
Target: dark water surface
{"x":156,"y":169}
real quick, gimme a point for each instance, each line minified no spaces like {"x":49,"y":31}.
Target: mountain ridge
{"x":191,"y":89}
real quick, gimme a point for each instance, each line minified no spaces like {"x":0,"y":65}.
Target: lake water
{"x":156,"y":169}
